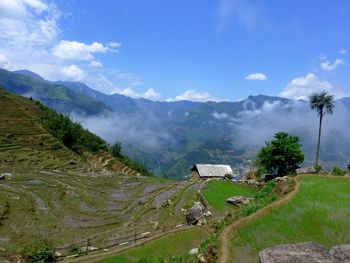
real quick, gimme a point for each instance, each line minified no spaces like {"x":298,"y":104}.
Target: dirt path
{"x":226,"y":235}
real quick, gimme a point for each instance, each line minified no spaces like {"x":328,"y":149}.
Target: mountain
{"x":60,"y":98}
{"x":29,"y":73}
{"x":169,"y":137}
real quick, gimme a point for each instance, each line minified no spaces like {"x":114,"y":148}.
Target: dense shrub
{"x":38,"y":251}
{"x":281,"y":156}
{"x":228,"y":177}
{"x":338,"y":171}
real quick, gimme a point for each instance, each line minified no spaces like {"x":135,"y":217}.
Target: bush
{"x":338,"y":171}
{"x":38,"y":251}
{"x":282,"y":156}
{"x":318,"y":168}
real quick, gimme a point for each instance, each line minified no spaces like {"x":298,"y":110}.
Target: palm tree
{"x":323,"y":104}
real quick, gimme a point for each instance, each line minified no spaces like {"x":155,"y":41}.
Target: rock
{"x":300,"y":252}
{"x":195,"y":215}
{"x":57,"y":254}
{"x":306,"y":170}
{"x":4,"y":175}
{"x":208,"y":213}
{"x":341,"y":252}
{"x":193,"y":251}
{"x":4,"y":261}
{"x":239,"y":200}
{"x":72,"y":162}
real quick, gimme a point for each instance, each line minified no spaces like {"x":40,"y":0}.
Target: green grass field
{"x":216,"y":193}
{"x":320,"y":213}
{"x":172,"y":245}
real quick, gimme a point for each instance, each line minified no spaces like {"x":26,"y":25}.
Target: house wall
{"x":195,"y":176}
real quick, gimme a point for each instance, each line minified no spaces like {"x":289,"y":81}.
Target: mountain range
{"x":169,"y":137}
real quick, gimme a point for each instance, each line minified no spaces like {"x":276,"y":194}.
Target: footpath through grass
{"x":216,"y":193}
{"x":174,"y":244}
{"x":320,"y":213}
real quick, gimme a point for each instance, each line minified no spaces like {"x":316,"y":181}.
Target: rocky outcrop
{"x":341,"y":252}
{"x":305,"y":253}
{"x":195,"y":215}
{"x":306,"y":170}
{"x":239,"y":200}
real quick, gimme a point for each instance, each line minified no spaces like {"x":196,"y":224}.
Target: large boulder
{"x":307,"y":252}
{"x":239,"y":200}
{"x":306,"y":170}
{"x":195,"y":215}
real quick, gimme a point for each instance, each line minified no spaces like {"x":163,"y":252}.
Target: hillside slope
{"x":56,"y":96}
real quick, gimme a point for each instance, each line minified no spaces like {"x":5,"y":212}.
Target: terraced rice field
{"x":216,"y":192}
{"x":67,"y":208}
{"x":320,"y":213}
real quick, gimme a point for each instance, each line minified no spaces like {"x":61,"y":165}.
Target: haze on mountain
{"x":170,"y":136}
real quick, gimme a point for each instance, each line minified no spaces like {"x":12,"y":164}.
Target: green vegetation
{"x":318,"y":213}
{"x":262,"y":198}
{"x":168,"y":248}
{"x":38,"y":251}
{"x":338,"y":171}
{"x":323,"y":104}
{"x":216,"y":193}
{"x":70,"y":133}
{"x":282,"y":156}
{"x":52,"y":94}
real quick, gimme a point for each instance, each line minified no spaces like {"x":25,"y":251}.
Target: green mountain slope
{"x":54,"y":95}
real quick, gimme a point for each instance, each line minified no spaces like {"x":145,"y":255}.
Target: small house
{"x":206,"y":171}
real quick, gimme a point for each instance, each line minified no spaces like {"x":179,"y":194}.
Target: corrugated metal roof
{"x":212,"y":170}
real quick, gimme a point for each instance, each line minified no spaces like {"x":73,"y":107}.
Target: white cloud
{"x":19,"y":8}
{"x":95,"y":64}
{"x":328,"y":66}
{"x":114,"y":44}
{"x":343,"y":51}
{"x":194,"y":95}
{"x":73,"y":73}
{"x":303,"y":87}
{"x":219,"y":116}
{"x":74,"y":50}
{"x":256,"y":76}
{"x":5,"y":63}
{"x":150,"y":94}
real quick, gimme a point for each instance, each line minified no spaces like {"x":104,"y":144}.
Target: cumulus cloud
{"x":5,"y":63}
{"x":256,"y":76}
{"x":301,"y":88}
{"x":73,"y":73}
{"x":19,"y":8}
{"x":343,"y":51}
{"x":329,"y":66}
{"x":150,"y":94}
{"x":74,"y":50}
{"x":194,"y":95}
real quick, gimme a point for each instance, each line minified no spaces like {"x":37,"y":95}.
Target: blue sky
{"x":172,"y":50}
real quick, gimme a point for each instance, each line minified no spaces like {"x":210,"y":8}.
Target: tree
{"x":323,"y":104}
{"x":281,"y":156}
{"x":116,"y":150}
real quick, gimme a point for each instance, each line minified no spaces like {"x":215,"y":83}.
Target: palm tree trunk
{"x":319,"y":139}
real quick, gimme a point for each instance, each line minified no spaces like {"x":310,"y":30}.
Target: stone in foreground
{"x":307,"y":252}
{"x":239,"y":200}
{"x":195,"y":215}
